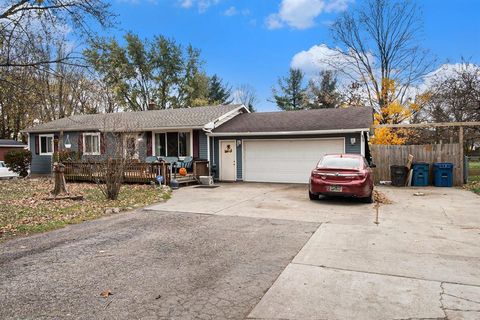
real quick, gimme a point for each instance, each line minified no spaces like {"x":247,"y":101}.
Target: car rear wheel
{"x":312,"y":196}
{"x":368,"y":199}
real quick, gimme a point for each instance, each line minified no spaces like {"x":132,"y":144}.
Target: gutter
{"x":15,"y":146}
{"x":284,"y":133}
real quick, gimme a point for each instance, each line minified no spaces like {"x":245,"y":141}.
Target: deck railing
{"x":134,"y":172}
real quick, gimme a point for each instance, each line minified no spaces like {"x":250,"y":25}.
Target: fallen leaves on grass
{"x":25,"y":210}
{"x":473,"y":186}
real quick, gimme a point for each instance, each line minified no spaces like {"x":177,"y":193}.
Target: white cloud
{"x":201,"y":5}
{"x":230,"y":11}
{"x":301,"y":14}
{"x":444,"y":72}
{"x":316,"y":59}
{"x":186,"y":4}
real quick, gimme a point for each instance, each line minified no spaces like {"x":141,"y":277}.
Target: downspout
{"x":208,"y":130}
{"x":362,"y":143}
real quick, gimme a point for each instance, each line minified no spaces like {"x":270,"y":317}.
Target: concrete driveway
{"x":257,"y":251}
{"x":422,"y":261}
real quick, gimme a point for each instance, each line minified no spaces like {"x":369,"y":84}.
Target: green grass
{"x":24,"y":210}
{"x":474,"y":165}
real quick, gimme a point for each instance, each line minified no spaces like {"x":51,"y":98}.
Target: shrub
{"x":19,"y":161}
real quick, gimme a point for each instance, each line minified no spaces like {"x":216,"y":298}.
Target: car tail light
{"x":360,"y":175}
{"x":319,"y":174}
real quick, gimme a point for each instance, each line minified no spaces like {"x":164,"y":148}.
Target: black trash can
{"x":398,"y":175}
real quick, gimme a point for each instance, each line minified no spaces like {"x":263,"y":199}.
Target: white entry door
{"x":228,"y":157}
{"x":286,"y":160}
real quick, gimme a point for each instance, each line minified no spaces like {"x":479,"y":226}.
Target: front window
{"x":183,"y":144}
{"x":91,"y":143}
{"x":173,"y":144}
{"x":46,"y":144}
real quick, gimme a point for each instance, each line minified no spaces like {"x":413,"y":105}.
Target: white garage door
{"x":285,"y":160}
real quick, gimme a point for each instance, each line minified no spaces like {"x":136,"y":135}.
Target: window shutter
{"x":37,"y":144}
{"x":103,"y":143}
{"x":196,"y":145}
{"x":55,"y":143}
{"x":149,"y":144}
{"x":80,"y":143}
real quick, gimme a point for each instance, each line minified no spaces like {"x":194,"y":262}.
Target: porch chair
{"x":186,"y":163}
{"x":151,"y":159}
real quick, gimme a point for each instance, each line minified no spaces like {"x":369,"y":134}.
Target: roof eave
{"x":286,"y":133}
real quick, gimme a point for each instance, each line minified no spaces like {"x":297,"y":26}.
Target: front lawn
{"x":24,"y":210}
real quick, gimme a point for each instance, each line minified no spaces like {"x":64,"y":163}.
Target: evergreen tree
{"x":322,"y":91}
{"x":292,"y":95}
{"x":218,"y":93}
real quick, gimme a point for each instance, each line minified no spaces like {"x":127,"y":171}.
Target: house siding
{"x":202,"y":145}
{"x":42,"y":164}
{"x":349,"y":148}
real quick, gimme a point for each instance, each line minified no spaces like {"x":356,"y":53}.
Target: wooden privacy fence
{"x":134,"y":172}
{"x":385,"y":155}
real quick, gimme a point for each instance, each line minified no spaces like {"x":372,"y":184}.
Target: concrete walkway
{"x":422,"y":261}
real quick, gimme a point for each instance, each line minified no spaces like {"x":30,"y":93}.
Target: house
{"x":239,"y":145}
{"x":7,"y":145}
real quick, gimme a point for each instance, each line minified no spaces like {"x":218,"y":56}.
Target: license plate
{"x":335,"y":188}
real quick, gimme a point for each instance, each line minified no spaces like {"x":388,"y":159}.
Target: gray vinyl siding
{"x":202,"y":145}
{"x":355,"y":148}
{"x":41,"y":164}
{"x":349,"y":148}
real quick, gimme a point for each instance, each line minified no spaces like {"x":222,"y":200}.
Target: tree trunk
{"x":60,"y":184}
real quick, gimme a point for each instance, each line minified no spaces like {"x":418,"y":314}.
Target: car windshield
{"x":340,"y":163}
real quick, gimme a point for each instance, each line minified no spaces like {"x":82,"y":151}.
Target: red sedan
{"x":347,"y":175}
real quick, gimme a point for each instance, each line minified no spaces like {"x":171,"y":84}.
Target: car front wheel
{"x":312,"y":196}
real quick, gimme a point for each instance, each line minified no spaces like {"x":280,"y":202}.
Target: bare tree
{"x":26,"y":24}
{"x":382,"y":40}
{"x":247,"y":95}
{"x":119,"y":140}
{"x":454,"y":96}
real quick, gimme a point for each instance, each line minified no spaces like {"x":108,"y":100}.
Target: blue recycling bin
{"x":420,"y":174}
{"x":443,"y":174}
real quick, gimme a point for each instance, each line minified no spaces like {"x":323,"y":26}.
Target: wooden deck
{"x":135,"y":172}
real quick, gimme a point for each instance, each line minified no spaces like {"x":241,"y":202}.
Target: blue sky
{"x":254,"y":41}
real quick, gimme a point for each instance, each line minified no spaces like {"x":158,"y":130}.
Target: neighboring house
{"x":264,"y":147}
{"x":7,"y":145}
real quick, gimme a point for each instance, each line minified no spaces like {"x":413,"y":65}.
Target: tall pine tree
{"x":322,"y":91}
{"x":218,"y":93}
{"x":291,"y":94}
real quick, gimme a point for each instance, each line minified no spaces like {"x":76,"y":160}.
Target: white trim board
{"x":285,"y":133}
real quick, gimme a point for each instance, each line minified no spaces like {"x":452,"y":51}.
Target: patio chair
{"x":186,"y":163}
{"x":151,"y":159}
{"x":172,"y":160}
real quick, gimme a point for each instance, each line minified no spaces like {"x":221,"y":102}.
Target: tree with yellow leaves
{"x":394,"y":112}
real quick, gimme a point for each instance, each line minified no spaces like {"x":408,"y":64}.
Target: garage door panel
{"x":288,"y":160}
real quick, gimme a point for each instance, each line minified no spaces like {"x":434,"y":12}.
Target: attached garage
{"x":285,"y":146}
{"x":285,"y":160}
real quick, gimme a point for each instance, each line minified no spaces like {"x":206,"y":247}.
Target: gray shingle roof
{"x":140,"y":120}
{"x":302,"y":120}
